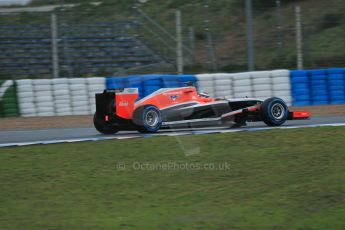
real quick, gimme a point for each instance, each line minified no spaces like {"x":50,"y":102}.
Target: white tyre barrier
{"x":222,"y":94}
{"x":242,"y":82}
{"x":60,"y":81}
{"x":243,"y":94}
{"x":239,"y":76}
{"x":27,"y":99}
{"x":98,"y":88}
{"x":77,"y":81}
{"x":96,"y":81}
{"x":280,"y":73}
{"x":79,"y":93}
{"x":46,"y":114}
{"x":284,"y":87}
{"x":40,"y":82}
{"x":64,"y":110}
{"x":240,"y":89}
{"x":79,"y":98}
{"x":44,"y":96}
{"x":61,"y":93}
{"x":60,"y":87}
{"x":44,"y":109}
{"x":261,"y":81}
{"x":62,"y":96}
{"x":24,"y":88}
{"x":202,"y":84}
{"x":262,"y":87}
{"x":223,"y":88}
{"x":79,"y":103}
{"x":25,"y":94}
{"x":280,"y":80}
{"x":58,"y":102}
{"x":263,"y":94}
{"x":78,"y":87}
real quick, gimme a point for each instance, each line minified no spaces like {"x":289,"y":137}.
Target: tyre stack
{"x":79,"y":96}
{"x":136,"y":82}
{"x":94,"y":85}
{"x":183,"y":79}
{"x":336,"y":83}
{"x":206,"y":84}
{"x":281,"y":86}
{"x":242,"y":83}
{"x":319,"y":87}
{"x":116,"y":82}
{"x":43,"y":97}
{"x":300,"y":88}
{"x":223,"y":85}
{"x":26,"y":98}
{"x":262,"y":84}
{"x":151,"y":83}
{"x":171,"y":81}
{"x":62,"y":97}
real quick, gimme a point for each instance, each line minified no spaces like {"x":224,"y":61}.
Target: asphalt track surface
{"x":83,"y":134}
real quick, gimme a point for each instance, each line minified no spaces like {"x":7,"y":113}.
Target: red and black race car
{"x":173,"y":107}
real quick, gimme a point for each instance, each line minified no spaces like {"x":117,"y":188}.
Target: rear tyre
{"x":103,"y":127}
{"x":147,"y":119}
{"x":274,"y":111}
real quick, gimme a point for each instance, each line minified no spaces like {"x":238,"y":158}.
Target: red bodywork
{"x":126,"y":101}
{"x":300,"y":115}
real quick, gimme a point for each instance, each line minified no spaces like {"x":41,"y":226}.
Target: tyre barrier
{"x":318,"y":87}
{"x":149,"y":83}
{"x":260,"y":84}
{"x":58,"y":97}
{"x":75,"y":96}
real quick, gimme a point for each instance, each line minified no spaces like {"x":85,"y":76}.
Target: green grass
{"x":281,"y":179}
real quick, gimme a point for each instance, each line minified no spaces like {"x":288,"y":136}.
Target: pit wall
{"x":75,"y":96}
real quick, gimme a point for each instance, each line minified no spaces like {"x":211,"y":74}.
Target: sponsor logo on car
{"x":123,"y":103}
{"x":174,"y":97}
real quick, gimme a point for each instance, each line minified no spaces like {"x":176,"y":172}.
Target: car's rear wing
{"x":119,"y":102}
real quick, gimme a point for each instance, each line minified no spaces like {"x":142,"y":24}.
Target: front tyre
{"x":274,"y":111}
{"x":102,"y":126}
{"x":147,"y":119}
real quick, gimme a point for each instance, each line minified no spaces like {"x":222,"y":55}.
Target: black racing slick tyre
{"x":103,"y":127}
{"x":274,"y":111}
{"x":147,"y":119}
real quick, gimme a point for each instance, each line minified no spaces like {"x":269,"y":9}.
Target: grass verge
{"x":279,"y":179}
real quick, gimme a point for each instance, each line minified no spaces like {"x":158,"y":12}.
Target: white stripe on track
{"x":167,"y":134}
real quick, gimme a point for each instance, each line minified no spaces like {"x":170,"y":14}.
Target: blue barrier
{"x":150,"y":83}
{"x":318,"y":87}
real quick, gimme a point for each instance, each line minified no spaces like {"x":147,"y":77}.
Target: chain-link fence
{"x":106,"y":39}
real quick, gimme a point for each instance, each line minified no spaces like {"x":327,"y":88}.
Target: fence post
{"x":299,"y":41}
{"x":179,"y":51}
{"x":55,"y":52}
{"x":211,"y":52}
{"x":250,"y":48}
{"x":279,"y":31}
{"x":192,"y":44}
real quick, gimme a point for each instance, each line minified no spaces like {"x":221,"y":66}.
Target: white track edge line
{"x":253,"y":129}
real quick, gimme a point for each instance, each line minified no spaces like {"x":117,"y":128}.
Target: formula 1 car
{"x":119,"y":109}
